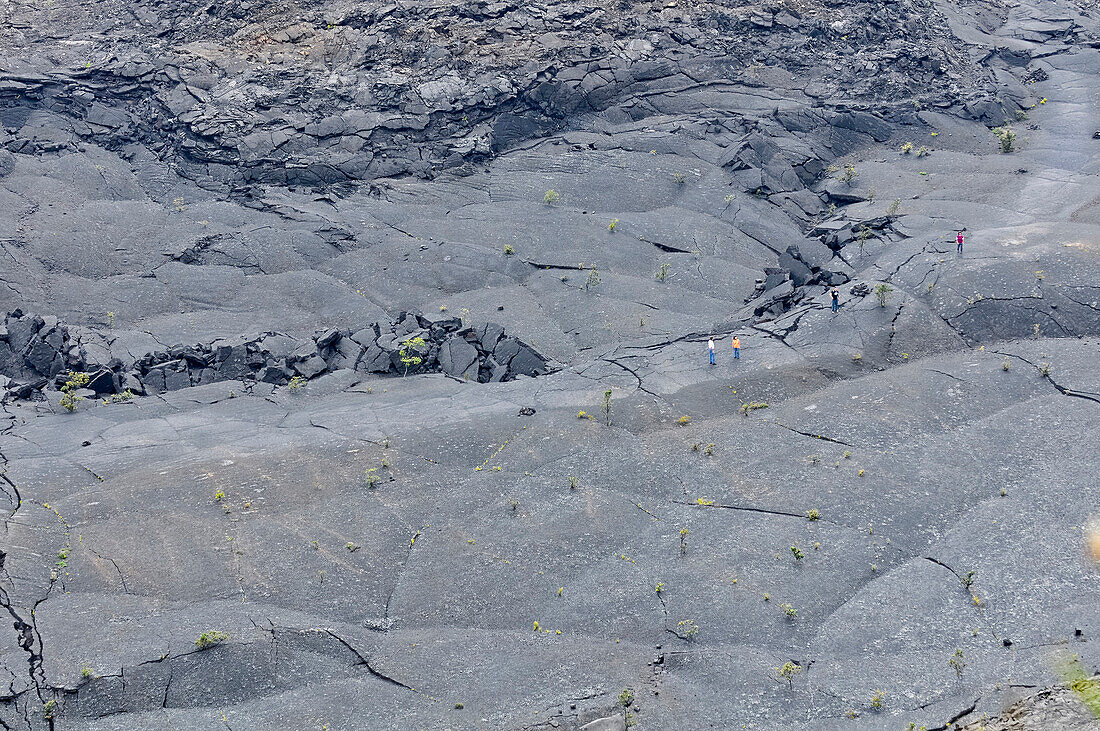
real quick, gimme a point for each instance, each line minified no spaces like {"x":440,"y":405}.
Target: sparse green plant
{"x":684,"y":533}
{"x":296,"y":383}
{"x":593,"y":278}
{"x":210,"y":638}
{"x":352,"y":547}
{"x":509,"y":250}
{"x":730,"y":198}
{"x":858,"y":357}
{"x":709,"y":449}
{"x":882,"y":292}
{"x":613,"y":225}
{"x":813,"y":515}
{"x":49,"y":710}
{"x":907,"y":148}
{"x":814,"y":459}
{"x":789,"y":610}
{"x":696,"y":446}
{"x":1004,"y":492}
{"x":660,"y":586}
{"x":86,"y":672}
{"x":459,"y":706}
{"x":850,"y":173}
{"x":894,"y":207}
{"x":683,"y":421}
{"x":372,"y":477}
{"x":1044,"y":369}
{"x":1005,"y":365}
{"x":626,"y":697}
{"x":110,"y":319}
{"x":862,"y":237}
{"x":753,"y":406}
{"x":787,"y":672}
{"x":573,"y":482}
{"x":1007,"y":136}
{"x":679,"y":178}
{"x":968,"y":580}
{"x":551,"y":197}
{"x":409,"y":352}
{"x":923,"y":151}
{"x":69,"y":399}
{"x":607,"y":406}
{"x":219,"y":496}
{"x":877,"y":699}
{"x":687,"y":629}
{"x":1076,"y":678}
{"x":797,"y":553}
{"x":847,"y":454}
{"x":957,"y":662}
{"x":767,"y":596}
{"x":123,"y":397}
{"x":514,"y":503}
{"x":662,"y":271}
{"x":1021,"y":115}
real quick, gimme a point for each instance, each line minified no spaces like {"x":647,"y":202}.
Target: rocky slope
{"x":561,"y":516}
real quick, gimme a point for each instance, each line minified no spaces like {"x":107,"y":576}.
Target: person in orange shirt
{"x":736,"y":348}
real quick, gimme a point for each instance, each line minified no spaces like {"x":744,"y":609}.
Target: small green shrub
{"x":69,"y":399}
{"x":613,"y":225}
{"x":877,"y":698}
{"x":1005,"y":365}
{"x":626,"y":697}
{"x":1007,"y":136}
{"x":907,"y":148}
{"x":509,"y":250}
{"x":687,"y":629}
{"x":813,"y":515}
{"x":593,"y":279}
{"x":882,"y":292}
{"x":957,"y":662}
{"x":210,"y":638}
{"x":787,"y":672}
{"x":86,"y":672}
{"x":551,"y":197}
{"x":789,"y":610}
{"x":850,"y":174}
{"x":797,"y":553}
{"x":296,"y":383}
{"x":662,"y":272}
{"x":752,"y":406}
{"x":683,"y":421}
{"x":894,"y":207}
{"x":409,"y":352}
{"x":684,"y":533}
{"x":923,"y":151}
{"x":49,"y":710}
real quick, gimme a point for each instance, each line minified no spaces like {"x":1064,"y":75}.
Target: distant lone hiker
{"x":736,"y":348}
{"x":959,"y":241}
{"x":710,"y":348}
{"x":836,"y":299}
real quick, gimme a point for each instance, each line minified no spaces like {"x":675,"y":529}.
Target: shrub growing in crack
{"x":409,"y":353}
{"x":753,"y":406}
{"x":69,"y":399}
{"x":882,"y":292}
{"x":862,"y":237}
{"x":352,"y":547}
{"x":210,"y":638}
{"x":787,"y":671}
{"x":86,"y":672}
{"x":687,"y":629}
{"x":684,"y":533}
{"x":850,"y":174}
{"x":372,"y":478}
{"x":813,"y":515}
{"x":626,"y":697}
{"x":907,"y":148}
{"x":957,"y":662}
{"x":592,"y":280}
{"x":1007,"y":137}
{"x":660,"y":586}
{"x":894,"y":207}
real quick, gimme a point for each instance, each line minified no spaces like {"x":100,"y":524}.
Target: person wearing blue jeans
{"x":836,"y":299}
{"x":736,"y":348}
{"x":710,"y":348}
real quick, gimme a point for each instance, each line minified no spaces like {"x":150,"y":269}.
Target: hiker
{"x":836,"y":299}
{"x":710,"y":348}
{"x":959,"y":241}
{"x":736,"y":348}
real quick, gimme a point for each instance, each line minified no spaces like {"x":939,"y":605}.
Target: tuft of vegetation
{"x":813,"y":515}
{"x":790,"y":611}
{"x":797,"y":553}
{"x":352,"y":547}
{"x":862,"y":237}
{"x":687,"y":629}
{"x":882,"y":292}
{"x":683,"y":421}
{"x":606,"y":406}
{"x":753,"y":406}
{"x":957,"y":662}
{"x":372,"y":478}
{"x":907,"y":148}
{"x":787,"y":672}
{"x":509,"y":250}
{"x":49,"y":710}
{"x":877,"y":699}
{"x":850,"y":174}
{"x":968,"y":580}
{"x":662,"y":272}
{"x":296,"y":383}
{"x":923,"y":151}
{"x":593,"y":279}
{"x":626,"y":698}
{"x":409,"y":353}
{"x":1007,"y":136}
{"x":894,"y":207}
{"x":1005,"y":365}
{"x":210,"y":638}
{"x":86,"y":672}
{"x":76,"y":381}
{"x":684,"y":533}
{"x":613,"y":225}
{"x":573,"y":482}
{"x":551,"y":197}
{"x":679,"y":178}
{"x":660,"y":587}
